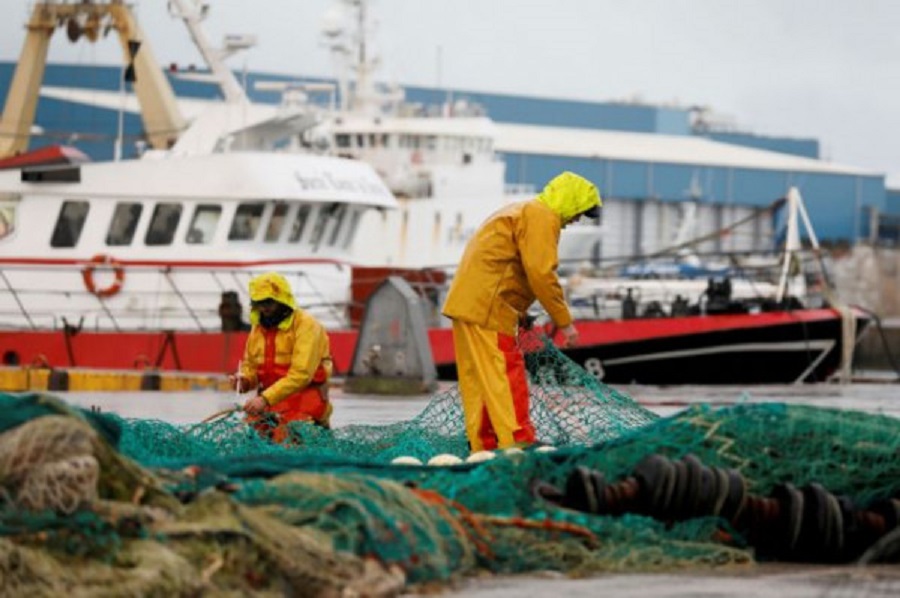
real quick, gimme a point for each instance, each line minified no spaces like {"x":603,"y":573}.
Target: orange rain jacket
{"x":302,"y":348}
{"x":512,"y":259}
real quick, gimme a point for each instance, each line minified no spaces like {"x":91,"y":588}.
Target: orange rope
{"x":478,"y":521}
{"x":545,"y":524}
{"x":444,"y":505}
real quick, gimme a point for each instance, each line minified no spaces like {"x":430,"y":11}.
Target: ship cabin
{"x":242,"y":202}
{"x":155,"y":242}
{"x":417,"y":155}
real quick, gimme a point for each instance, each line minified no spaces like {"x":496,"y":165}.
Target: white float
{"x":480,"y":456}
{"x":444,"y":459}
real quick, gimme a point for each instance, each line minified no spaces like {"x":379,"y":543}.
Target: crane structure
{"x":161,"y":118}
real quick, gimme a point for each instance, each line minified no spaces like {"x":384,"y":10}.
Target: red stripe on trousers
{"x":518,"y":387}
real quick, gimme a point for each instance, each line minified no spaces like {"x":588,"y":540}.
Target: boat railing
{"x":144,"y":297}
{"x":615,"y":288}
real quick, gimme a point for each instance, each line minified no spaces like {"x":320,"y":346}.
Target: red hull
{"x":220,"y":352}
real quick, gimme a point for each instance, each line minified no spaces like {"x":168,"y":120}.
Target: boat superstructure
{"x":152,"y":244}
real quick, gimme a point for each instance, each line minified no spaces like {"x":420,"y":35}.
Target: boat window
{"x":339,"y":214}
{"x":360,"y":140}
{"x":342,"y":140}
{"x":203,"y":225}
{"x":351,"y":232}
{"x":276,"y":222}
{"x":7,"y":219}
{"x":299,"y":224}
{"x":163,"y":224}
{"x":325,"y":213}
{"x":385,"y":139}
{"x":124,"y":223}
{"x":69,"y":224}
{"x":246,"y":222}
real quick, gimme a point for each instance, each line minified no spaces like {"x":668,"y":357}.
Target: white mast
{"x":192,"y":12}
{"x":347,"y":32}
{"x":792,"y":244}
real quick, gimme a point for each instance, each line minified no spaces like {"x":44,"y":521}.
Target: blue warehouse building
{"x":636,"y":152}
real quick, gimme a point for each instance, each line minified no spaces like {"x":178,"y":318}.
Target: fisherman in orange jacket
{"x":509,"y":262}
{"x":287,"y":360}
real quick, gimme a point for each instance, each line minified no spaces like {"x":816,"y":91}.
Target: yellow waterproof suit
{"x":290,"y":364}
{"x":510,"y":261}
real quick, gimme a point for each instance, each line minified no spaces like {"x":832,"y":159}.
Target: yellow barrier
{"x":28,"y":379}
{"x":23,"y":379}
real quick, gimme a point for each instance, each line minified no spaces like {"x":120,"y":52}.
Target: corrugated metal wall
{"x":837,"y":203}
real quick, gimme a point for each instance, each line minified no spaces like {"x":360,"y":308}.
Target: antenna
{"x":347,"y":31}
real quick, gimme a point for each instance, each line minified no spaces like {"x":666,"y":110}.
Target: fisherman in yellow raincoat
{"x":509,"y":262}
{"x":287,"y":361}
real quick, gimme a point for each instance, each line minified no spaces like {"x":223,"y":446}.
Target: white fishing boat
{"x":139,"y":262}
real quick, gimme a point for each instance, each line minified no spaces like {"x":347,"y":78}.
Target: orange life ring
{"x":102,"y":259}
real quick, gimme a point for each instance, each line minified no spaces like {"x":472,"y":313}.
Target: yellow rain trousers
{"x":509,"y":262}
{"x":494,"y":388}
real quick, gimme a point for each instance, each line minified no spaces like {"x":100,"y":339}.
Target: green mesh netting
{"x":219,"y":508}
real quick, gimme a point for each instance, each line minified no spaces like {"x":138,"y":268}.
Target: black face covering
{"x":277,"y":316}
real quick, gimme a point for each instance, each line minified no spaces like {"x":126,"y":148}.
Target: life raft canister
{"x":103,"y":259}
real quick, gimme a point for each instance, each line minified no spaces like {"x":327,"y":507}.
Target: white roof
{"x":653,"y":147}
{"x":229,"y":176}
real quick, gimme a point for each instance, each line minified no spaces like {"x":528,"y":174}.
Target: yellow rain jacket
{"x":302,"y":348}
{"x":512,"y":259}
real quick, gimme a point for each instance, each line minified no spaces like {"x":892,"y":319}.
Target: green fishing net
{"x":90,"y":499}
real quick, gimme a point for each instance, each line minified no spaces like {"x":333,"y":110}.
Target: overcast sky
{"x":828,"y":69}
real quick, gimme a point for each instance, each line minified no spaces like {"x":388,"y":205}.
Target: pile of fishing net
{"x":90,"y":501}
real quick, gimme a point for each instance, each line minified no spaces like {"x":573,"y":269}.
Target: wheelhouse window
{"x":203,"y":224}
{"x":299,"y":223}
{"x":339,"y":213}
{"x":276,"y":222}
{"x":123,"y":224}
{"x":246,"y":222}
{"x":325,"y":213}
{"x":7,"y":218}
{"x":69,"y":224}
{"x":354,"y":223}
{"x":163,"y":224}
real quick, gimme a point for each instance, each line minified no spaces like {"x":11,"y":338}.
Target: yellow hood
{"x":270,"y":285}
{"x":569,"y":195}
